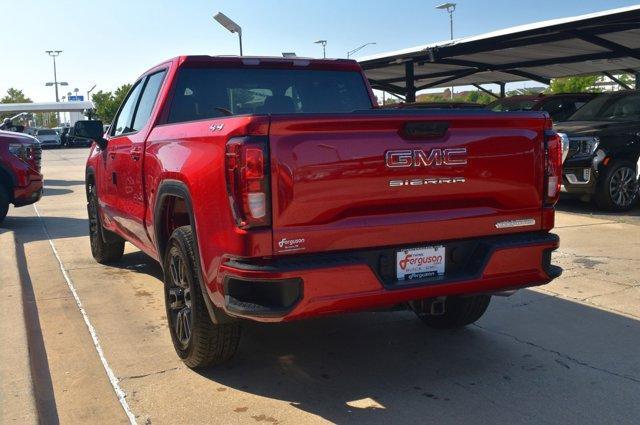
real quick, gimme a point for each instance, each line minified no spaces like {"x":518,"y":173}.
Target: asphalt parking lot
{"x":563,"y":353}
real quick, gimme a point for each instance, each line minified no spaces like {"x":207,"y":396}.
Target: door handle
{"x":112,"y":155}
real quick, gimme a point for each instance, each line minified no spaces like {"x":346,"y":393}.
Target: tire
{"x":197,"y":340}
{"x":458,"y":311}
{"x":617,"y":189}
{"x":4,"y":203}
{"x":103,"y":251}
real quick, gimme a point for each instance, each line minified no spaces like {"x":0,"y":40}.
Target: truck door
{"x":117,"y":139}
{"x":126,"y":151}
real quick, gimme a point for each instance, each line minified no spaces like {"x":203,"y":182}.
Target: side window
{"x":147,"y":100}
{"x":123,"y":120}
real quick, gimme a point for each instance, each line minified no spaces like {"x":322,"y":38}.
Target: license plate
{"x":420,"y":263}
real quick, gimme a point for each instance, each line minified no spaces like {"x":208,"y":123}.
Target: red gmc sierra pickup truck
{"x":274,"y":189}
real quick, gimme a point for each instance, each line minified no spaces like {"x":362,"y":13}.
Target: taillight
{"x":247,"y":169}
{"x":553,"y":167}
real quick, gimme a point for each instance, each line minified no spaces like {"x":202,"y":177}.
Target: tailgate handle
{"x":423,"y":130}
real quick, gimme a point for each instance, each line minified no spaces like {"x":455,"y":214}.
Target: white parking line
{"x":115,"y":383}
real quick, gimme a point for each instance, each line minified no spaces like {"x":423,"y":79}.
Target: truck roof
{"x":269,"y":61}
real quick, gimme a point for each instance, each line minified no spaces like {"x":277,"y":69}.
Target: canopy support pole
{"x":410,"y":83}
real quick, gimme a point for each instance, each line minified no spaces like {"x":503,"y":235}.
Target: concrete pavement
{"x":563,"y":353}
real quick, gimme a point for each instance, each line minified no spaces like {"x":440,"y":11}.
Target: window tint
{"x":46,"y":132}
{"x":507,"y":105}
{"x":210,"y":92}
{"x":610,"y":108}
{"x":123,"y":121}
{"x":560,"y":109}
{"x":147,"y":100}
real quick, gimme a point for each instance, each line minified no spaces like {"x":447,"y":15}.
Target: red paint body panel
{"x":330,"y":187}
{"x":23,"y":178}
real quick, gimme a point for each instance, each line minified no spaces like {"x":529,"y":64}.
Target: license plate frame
{"x":420,"y":263}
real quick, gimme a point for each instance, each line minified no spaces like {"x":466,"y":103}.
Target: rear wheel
{"x":458,"y":311}
{"x":103,"y":251}
{"x":617,"y":189}
{"x":4,"y":203}
{"x":197,"y":340}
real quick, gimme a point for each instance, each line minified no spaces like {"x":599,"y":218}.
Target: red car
{"x":273,"y":189}
{"x":20,"y":178}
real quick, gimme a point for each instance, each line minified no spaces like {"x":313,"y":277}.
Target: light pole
{"x":226,"y":22}
{"x":450,"y":8}
{"x":357,"y":49}
{"x":324,"y":47}
{"x":54,"y":54}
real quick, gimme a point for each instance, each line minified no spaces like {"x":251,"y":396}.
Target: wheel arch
{"x":168,"y":191}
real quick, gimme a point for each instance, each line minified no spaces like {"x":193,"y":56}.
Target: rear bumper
{"x":313,"y":285}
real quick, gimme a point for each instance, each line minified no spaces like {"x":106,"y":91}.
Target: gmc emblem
{"x":419,"y":158}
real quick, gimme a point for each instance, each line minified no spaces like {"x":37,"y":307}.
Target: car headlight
{"x":565,"y":145}
{"x":22,"y":151}
{"x":598,"y":158}
{"x":583,"y":146}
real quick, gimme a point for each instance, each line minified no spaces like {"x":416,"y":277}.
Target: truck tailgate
{"x":379,"y":179}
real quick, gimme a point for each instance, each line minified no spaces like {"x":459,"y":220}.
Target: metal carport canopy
{"x":597,"y":43}
{"x":47,"y":106}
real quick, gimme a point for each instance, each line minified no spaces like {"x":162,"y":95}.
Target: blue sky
{"x":109,"y":43}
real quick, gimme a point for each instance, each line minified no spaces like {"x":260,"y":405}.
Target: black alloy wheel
{"x":179,"y":297}
{"x":618,"y":187}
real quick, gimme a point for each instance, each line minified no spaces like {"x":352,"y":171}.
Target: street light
{"x":357,"y":49}
{"x":324,"y":47}
{"x":226,"y":22}
{"x":54,"y":54}
{"x":89,"y":91}
{"x":450,"y":8}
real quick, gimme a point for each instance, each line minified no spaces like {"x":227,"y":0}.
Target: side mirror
{"x":91,"y":129}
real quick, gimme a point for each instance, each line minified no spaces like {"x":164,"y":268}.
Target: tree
{"x":107,"y":103}
{"x":13,"y":96}
{"x":574,"y":84}
{"x":479,"y":97}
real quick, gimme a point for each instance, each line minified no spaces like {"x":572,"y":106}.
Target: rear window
{"x":507,"y":105}
{"x":46,"y":133}
{"x":211,"y":92}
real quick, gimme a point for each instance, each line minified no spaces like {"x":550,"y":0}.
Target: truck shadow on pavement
{"x":30,"y":228}
{"x":575,"y":206}
{"x":531,"y":359}
{"x":63,"y":183}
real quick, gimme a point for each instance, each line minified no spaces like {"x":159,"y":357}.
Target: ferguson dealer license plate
{"x":420,"y":263}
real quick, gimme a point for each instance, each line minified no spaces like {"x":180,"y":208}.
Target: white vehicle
{"x":47,"y":137}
